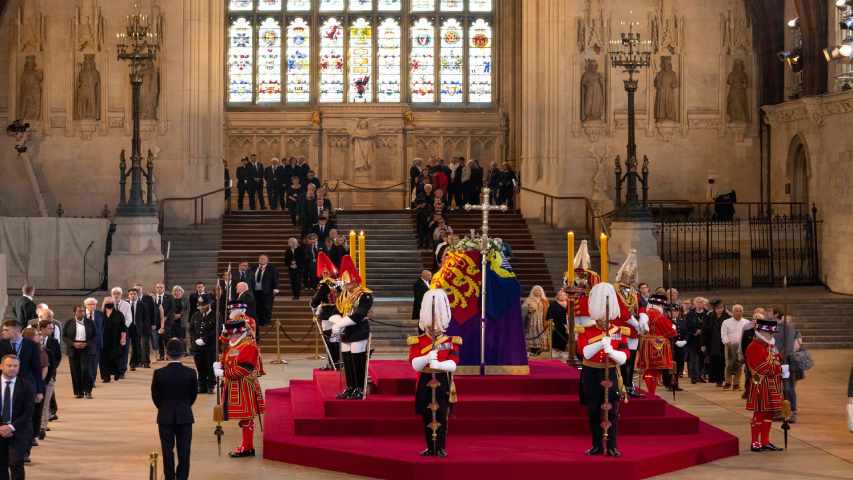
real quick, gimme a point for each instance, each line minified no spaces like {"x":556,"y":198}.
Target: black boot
{"x":431,"y":446}
{"x":348,"y":373}
{"x":594,"y":417}
{"x":359,"y":361}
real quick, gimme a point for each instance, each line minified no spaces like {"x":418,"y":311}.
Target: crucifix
{"x":485,"y":207}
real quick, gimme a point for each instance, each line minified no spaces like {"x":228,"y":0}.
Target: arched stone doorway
{"x":798,"y":172}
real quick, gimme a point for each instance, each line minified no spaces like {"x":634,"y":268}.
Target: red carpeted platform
{"x":502,"y":427}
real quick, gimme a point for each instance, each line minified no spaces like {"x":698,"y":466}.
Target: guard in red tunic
{"x":601,"y":348}
{"x":765,"y":396}
{"x":629,"y":314}
{"x":584,"y":279}
{"x":242,"y":398}
{"x":655,"y":353}
{"x":435,"y":356}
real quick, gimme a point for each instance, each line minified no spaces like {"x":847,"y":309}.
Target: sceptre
{"x":606,"y":383}
{"x":218,"y":414}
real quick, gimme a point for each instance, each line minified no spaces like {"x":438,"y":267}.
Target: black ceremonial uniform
{"x":324,"y":299}
{"x":356,"y":305}
{"x":203,"y":326}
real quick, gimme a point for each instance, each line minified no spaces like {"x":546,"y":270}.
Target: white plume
{"x":582,"y":256}
{"x":436,"y":303}
{"x":602,"y":295}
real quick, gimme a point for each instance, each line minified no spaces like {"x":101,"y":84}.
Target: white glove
{"x":605,"y":342}
{"x":199,"y":342}
{"x":680,"y":343}
{"x":335,"y":330}
{"x":644,"y":323}
{"x":445,"y":366}
{"x":335,"y":319}
{"x":786,"y":371}
{"x":217,"y":369}
{"x":608,"y":349}
{"x":432,"y":356}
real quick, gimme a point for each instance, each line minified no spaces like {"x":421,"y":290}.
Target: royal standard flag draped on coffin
{"x":460,"y":276}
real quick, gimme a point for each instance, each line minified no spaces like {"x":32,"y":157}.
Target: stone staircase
{"x":193,"y":254}
{"x":527,"y":261}
{"x":823,"y":318}
{"x":551,"y":243}
{"x":392,"y":266}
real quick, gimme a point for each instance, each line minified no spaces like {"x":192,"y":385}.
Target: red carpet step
{"x":502,"y":427}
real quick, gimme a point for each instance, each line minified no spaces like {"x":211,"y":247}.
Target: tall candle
{"x":570,"y":258}
{"x":362,"y":259}
{"x":602,"y":248}
{"x":353,"y":247}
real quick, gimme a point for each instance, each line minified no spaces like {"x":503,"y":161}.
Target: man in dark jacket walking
{"x":713,"y":342}
{"x":173,"y":393}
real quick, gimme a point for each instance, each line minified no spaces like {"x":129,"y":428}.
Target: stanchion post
{"x":152,"y":466}
{"x":278,"y":360}
{"x":316,"y":346}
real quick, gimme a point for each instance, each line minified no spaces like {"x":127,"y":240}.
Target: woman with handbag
{"x":788,"y":342}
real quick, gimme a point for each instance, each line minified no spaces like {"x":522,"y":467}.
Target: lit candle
{"x":362,"y":259}
{"x":353,"y":247}
{"x":602,"y":248}
{"x":570,"y":258}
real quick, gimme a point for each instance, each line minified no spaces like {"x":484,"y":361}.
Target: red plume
{"x":348,"y":272}
{"x":324,"y":264}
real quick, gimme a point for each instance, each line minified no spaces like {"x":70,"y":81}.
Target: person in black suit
{"x":54,"y":355}
{"x":173,"y":393}
{"x":311,"y":251}
{"x":24,"y":309}
{"x":294,"y":258}
{"x":141,"y":346}
{"x":418,"y":290}
{"x":199,"y":296}
{"x":245,"y":297}
{"x":115,"y":338}
{"x":97,"y":317}
{"x":17,"y":400}
{"x":265,"y":288}
{"x":163,"y":301}
{"x":281,"y":175}
{"x":149,"y":336}
{"x":272,"y":182}
{"x":27,"y":352}
{"x":258,"y":173}
{"x":80,"y":336}
{"x":243,"y":274}
{"x":203,"y":338}
{"x":245,"y":182}
{"x":322,"y":228}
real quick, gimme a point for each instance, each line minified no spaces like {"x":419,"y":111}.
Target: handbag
{"x":802,"y":360}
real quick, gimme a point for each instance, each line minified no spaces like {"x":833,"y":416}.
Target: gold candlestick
{"x":570,"y":258}
{"x":362,"y":259}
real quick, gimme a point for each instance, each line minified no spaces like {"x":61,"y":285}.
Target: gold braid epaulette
{"x":347,"y":299}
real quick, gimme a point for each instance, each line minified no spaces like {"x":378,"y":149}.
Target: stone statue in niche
{"x":149,"y":94}
{"x":88,"y":94}
{"x":737,"y":102}
{"x":31,"y":89}
{"x":363,"y":147}
{"x":666,"y":85}
{"x":592,"y":93}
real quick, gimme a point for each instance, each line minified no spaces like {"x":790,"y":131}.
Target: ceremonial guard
{"x":583,"y":280}
{"x":323,"y":304}
{"x":655,"y":353}
{"x":352,"y":323}
{"x":765,"y":394}
{"x":435,"y":356}
{"x":203,"y":336}
{"x":242,"y":398}
{"x":604,"y":349}
{"x":629,"y":314}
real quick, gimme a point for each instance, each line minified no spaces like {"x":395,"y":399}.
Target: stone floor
{"x":111,"y":436}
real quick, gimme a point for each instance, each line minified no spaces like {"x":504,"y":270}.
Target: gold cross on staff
{"x":485,"y":207}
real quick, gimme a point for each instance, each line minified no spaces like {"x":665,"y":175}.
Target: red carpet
{"x":502,"y":427}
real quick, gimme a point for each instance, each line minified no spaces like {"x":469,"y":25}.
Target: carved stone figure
{"x":31,"y":89}
{"x":149,"y":93}
{"x":363,"y":148}
{"x":737,"y":102}
{"x":592,"y":93}
{"x":666,"y":100}
{"x":88,"y":94}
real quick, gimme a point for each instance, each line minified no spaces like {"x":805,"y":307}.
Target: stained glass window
{"x":239,"y":5}
{"x":269,"y":61}
{"x":240,"y":57}
{"x":360,"y":65}
{"x":422,"y":62}
{"x":298,"y":61}
{"x":452,"y":6}
{"x":423,"y":5}
{"x":360,"y":5}
{"x":358,"y":53}
{"x":450,"y":71}
{"x":298,"y":5}
{"x":332,"y":61}
{"x":480,"y":62}
{"x":480,"y":5}
{"x":269,"y":5}
{"x":388,"y":59}
{"x":388,"y":5}
{"x":331,"y":5}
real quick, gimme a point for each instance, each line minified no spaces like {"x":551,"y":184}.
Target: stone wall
{"x":79,"y":129}
{"x":820,"y":128}
{"x":569,"y":151}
